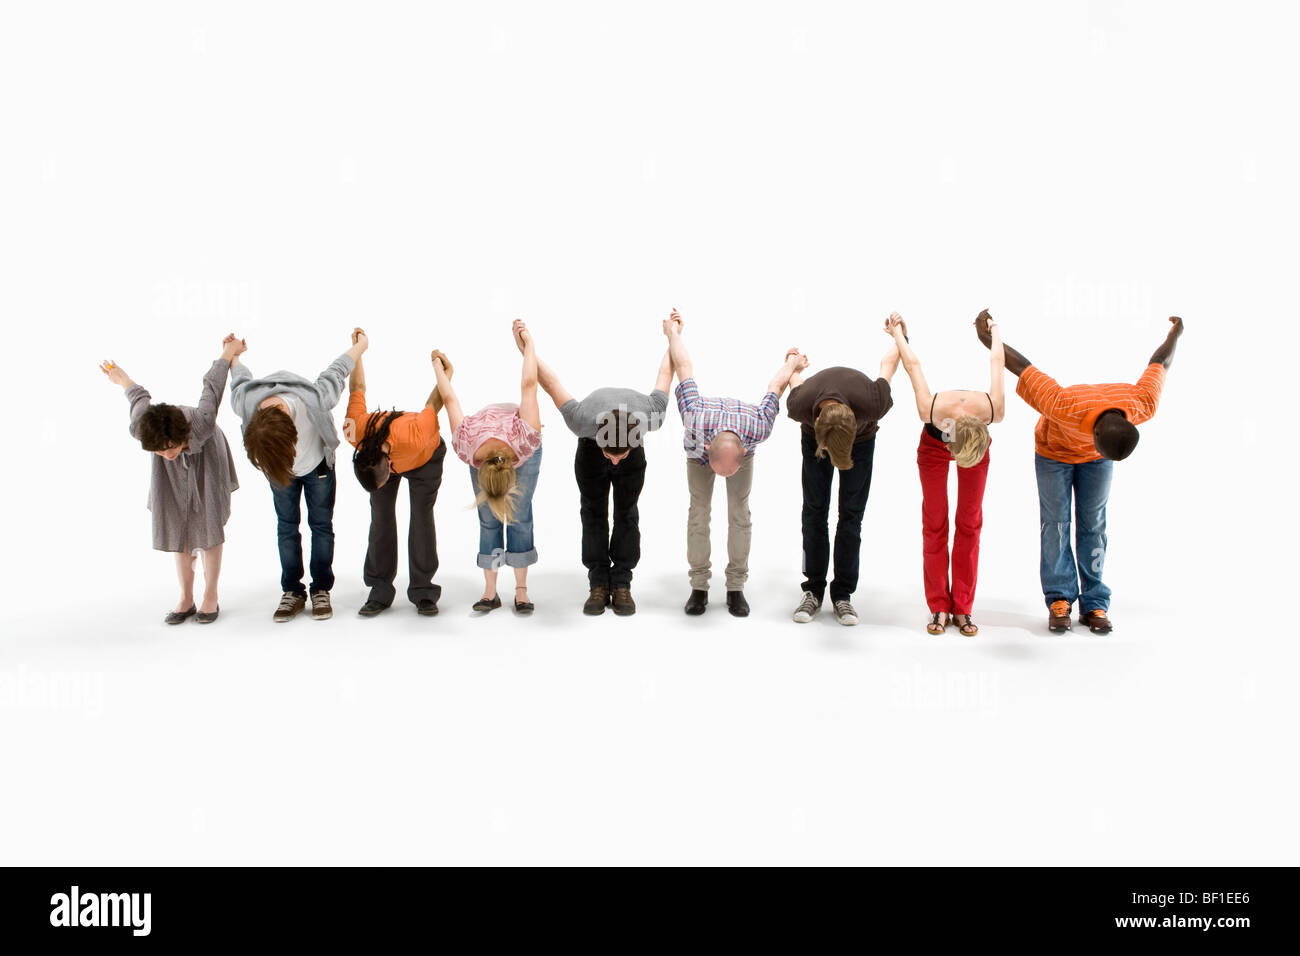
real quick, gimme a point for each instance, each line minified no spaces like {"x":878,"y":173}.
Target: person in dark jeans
{"x":838,"y":410}
{"x":611,"y":424}
{"x":289,"y":435}
{"x":391,"y":446}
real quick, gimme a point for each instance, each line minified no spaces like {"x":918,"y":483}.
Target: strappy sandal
{"x":483,"y":604}
{"x":523,"y":607}
{"x":969,"y":629}
{"x":938,"y":623}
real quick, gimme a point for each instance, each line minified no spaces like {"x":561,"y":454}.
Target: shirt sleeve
{"x":571,"y":412}
{"x":880,"y":399}
{"x":138,"y":399}
{"x":1039,"y":390}
{"x":796,"y":405}
{"x":688,"y":393}
{"x":354,"y":424}
{"x":330,"y":383}
{"x":1149,"y":388}
{"x":767,"y":410}
{"x":419,"y":430}
{"x":658,"y":409}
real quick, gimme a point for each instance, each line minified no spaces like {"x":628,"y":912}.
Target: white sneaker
{"x":807,"y":609}
{"x":845,"y":614}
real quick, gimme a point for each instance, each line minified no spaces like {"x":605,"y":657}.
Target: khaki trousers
{"x":699,"y":479}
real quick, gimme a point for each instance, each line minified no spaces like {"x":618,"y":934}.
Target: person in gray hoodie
{"x":289,"y":435}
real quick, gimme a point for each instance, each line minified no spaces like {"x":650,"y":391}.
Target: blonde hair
{"x":497,"y":488}
{"x":835,"y":430}
{"x":970,"y":441}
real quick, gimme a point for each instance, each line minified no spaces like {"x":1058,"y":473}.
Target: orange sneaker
{"x":1058,"y":617}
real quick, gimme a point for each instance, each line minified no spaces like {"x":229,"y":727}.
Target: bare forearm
{"x":681,"y":358}
{"x":1165,"y":354}
{"x":665,"y":377}
{"x":528,"y":376}
{"x":357,"y":380}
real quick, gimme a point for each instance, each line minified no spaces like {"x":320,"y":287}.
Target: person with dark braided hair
{"x":390,"y":446}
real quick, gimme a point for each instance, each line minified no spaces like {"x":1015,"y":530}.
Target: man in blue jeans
{"x":289,"y":434}
{"x":1083,"y":431}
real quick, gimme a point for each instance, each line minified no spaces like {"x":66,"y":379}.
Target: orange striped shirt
{"x":1064,"y":433}
{"x":413,"y":436}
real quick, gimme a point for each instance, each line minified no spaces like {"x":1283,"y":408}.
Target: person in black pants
{"x":611,"y":424}
{"x":390,"y":446}
{"x":838,"y":410}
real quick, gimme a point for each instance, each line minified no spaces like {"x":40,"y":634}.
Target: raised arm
{"x":677,"y":353}
{"x":1165,"y":354}
{"x":528,"y":409}
{"x":795,"y":361}
{"x":551,"y":385}
{"x":449,"y":399}
{"x":889,"y":363}
{"x":664,"y":380}
{"x":357,"y":378}
{"x":997,"y":368}
{"x":897,"y":329}
{"x":1015,"y":363}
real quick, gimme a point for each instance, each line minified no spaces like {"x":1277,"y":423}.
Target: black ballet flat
{"x":180,"y":617}
{"x":523,"y":607}
{"x":205,"y":618}
{"x":492,"y":605}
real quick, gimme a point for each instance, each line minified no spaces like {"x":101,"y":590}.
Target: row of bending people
{"x":289,"y":434}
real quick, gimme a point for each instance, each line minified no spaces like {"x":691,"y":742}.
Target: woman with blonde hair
{"x":956,"y":429}
{"x":502,"y":444}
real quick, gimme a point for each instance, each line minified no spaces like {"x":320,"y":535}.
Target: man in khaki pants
{"x":720,"y":437}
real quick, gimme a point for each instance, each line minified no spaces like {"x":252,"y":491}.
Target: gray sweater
{"x":320,"y":396}
{"x":646,"y":412}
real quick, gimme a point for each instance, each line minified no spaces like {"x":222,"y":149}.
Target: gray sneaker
{"x":320,"y":606}
{"x":845,"y":614}
{"x":291,"y":602}
{"x":807,"y":609}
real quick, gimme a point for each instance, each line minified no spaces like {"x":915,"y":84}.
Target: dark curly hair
{"x":270,"y":438}
{"x":162,"y":427}
{"x":370,"y":461}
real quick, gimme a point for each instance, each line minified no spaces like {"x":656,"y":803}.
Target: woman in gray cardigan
{"x":192,"y":479}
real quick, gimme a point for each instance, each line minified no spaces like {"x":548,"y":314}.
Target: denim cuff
{"x":510,"y":559}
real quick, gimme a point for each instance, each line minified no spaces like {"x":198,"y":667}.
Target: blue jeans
{"x":318,"y":489}
{"x":492,"y":534}
{"x":1063,"y":579}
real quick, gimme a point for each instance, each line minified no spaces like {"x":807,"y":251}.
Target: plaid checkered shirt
{"x":703,"y":418}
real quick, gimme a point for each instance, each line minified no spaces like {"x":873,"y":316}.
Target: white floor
{"x":654,"y":739}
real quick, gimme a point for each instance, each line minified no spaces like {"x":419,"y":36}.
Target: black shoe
{"x":523,"y":607}
{"x":371,"y":608}
{"x":426,"y":606}
{"x":737,"y":604}
{"x":180,"y":617}
{"x":483,"y":604}
{"x":203,"y":617}
{"x":697,"y":602}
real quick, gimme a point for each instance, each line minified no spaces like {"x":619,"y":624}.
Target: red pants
{"x":932,"y":458}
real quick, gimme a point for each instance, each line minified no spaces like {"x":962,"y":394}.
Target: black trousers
{"x":855,"y":485}
{"x":421,"y":541}
{"x":609,"y":557}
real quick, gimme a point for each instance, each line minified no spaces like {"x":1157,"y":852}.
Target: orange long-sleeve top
{"x":412,"y":438}
{"x":1064,"y":432}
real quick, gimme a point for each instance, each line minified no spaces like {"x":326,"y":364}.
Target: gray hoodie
{"x":320,"y":396}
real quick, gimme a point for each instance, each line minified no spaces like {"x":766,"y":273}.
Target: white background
{"x":785,"y":174}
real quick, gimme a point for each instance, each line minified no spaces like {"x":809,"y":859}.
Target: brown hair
{"x":269,"y":439}
{"x":835,"y":429}
{"x":970,"y":441}
{"x":497,"y":489}
{"x":161,"y":427}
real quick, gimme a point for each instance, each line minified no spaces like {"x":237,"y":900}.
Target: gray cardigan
{"x":320,"y":396}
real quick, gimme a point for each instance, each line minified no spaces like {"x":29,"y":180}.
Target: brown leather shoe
{"x":1058,"y":617}
{"x":623,"y":603}
{"x":1097,"y":621}
{"x":597,"y":601}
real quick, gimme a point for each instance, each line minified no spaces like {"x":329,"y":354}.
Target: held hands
{"x":360,"y":338}
{"x":439,"y":359}
{"x":232,"y":348}
{"x":673,"y":325}
{"x":1177,"y":330}
{"x":116,"y":374}
{"x":895,"y":322}
{"x":984,"y":327}
{"x":521,"y":334}
{"x":796,"y":360}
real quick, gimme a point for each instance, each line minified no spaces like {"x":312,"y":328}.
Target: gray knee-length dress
{"x":190,"y":495}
